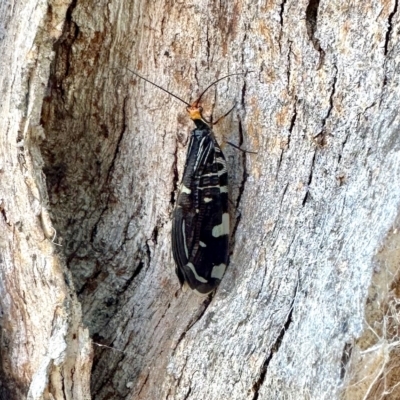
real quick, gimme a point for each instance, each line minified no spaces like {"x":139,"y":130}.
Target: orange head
{"x":195,"y":111}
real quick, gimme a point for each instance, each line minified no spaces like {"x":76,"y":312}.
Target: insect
{"x":200,"y":225}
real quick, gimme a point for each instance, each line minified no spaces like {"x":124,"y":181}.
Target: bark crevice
{"x":321,"y":137}
{"x":346,"y":356}
{"x":274,"y":349}
{"x":311,"y":24}
{"x":292,"y":121}
{"x":310,"y":177}
{"x":281,"y":12}
{"x":390,"y":26}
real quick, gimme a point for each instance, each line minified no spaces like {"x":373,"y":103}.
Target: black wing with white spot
{"x":200,"y":226}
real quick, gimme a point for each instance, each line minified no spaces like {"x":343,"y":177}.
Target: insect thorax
{"x":200,"y":133}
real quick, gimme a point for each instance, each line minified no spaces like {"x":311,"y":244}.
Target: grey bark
{"x":45,"y":349}
{"x":96,"y":154}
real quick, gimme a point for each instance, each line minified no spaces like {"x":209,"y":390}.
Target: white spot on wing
{"x":185,"y":189}
{"x":223,"y":228}
{"x":198,"y":277}
{"x":210,"y":174}
{"x":207,"y":199}
{"x":223,"y":189}
{"x":202,"y":244}
{"x":218,"y":271}
{"x":208,"y":187}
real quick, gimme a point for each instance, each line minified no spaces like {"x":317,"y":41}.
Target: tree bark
{"x":45,"y":349}
{"x":94,"y":153}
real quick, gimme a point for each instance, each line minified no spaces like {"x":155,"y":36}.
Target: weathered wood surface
{"x":45,"y":349}
{"x":314,"y":204}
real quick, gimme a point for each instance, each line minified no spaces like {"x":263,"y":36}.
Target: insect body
{"x":200,"y":225}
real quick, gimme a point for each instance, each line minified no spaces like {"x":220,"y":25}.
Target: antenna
{"x":196,"y":103}
{"x":159,"y":87}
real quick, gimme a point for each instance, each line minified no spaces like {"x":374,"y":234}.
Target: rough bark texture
{"x":310,"y":210}
{"x":45,"y":349}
